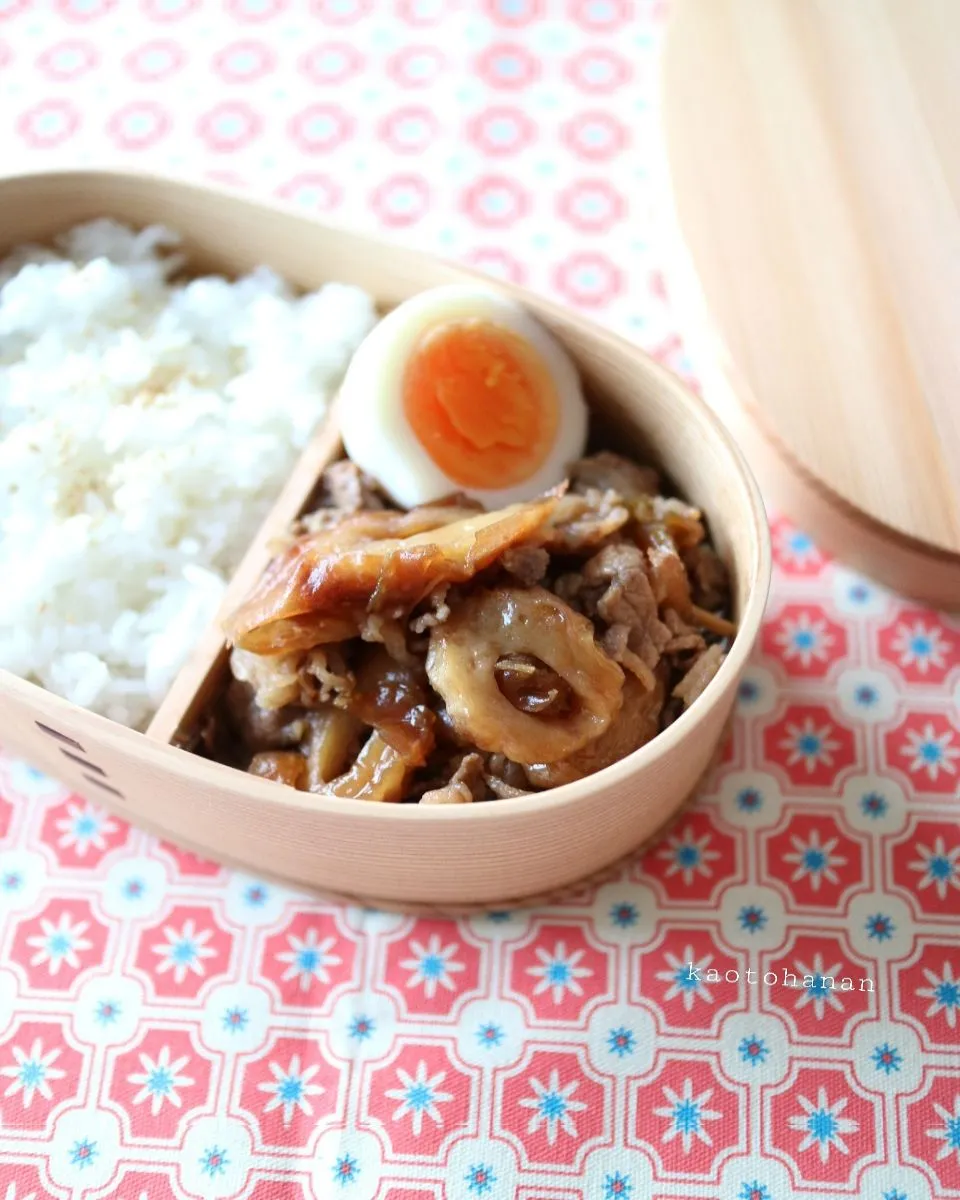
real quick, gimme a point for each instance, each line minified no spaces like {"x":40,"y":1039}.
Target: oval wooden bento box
{"x":448,"y":858}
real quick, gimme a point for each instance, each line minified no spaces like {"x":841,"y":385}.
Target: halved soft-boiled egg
{"x":460,"y":389}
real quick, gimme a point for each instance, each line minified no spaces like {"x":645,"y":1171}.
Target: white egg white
{"x":375,"y":430}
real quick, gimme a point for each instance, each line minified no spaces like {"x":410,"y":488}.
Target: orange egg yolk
{"x":481,"y":402}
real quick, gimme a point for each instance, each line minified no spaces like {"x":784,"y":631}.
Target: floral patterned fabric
{"x":765,"y":1006}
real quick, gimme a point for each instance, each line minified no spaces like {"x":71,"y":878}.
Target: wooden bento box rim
{"x":167,"y":759}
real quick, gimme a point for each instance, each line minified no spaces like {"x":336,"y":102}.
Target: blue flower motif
{"x":859,"y":593}
{"x":345,"y":1170}
{"x":887,"y":1059}
{"x":866,"y":695}
{"x":755,"y":1190}
{"x":753,"y":1050}
{"x":256,"y":895}
{"x":83,"y":1153}
{"x":880,"y":928}
{"x":617,"y":1187}
{"x":687,"y":1115}
{"x":107,"y":1012}
{"x":480,"y":1179}
{"x":749,"y":800}
{"x":214,"y":1161}
{"x":872,"y":804}
{"x":800,"y":543}
{"x":621,"y":1042}
{"x":12,"y":881}
{"x":134,"y":888}
{"x":814,"y":860}
{"x":893,"y":1194}
{"x":362,"y":1027}
{"x":236,"y":1019}
{"x":498,"y":918}
{"x":822,"y":1124}
{"x":624,"y":914}
{"x":490,"y":1035}
{"x":748,"y":691}
{"x":804,"y":639}
{"x":752,"y":918}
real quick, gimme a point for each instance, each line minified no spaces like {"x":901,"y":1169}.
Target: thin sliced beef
{"x":608,"y":472}
{"x":465,"y":786}
{"x":527,"y":564}
{"x":636,"y":637}
{"x":693,"y":684}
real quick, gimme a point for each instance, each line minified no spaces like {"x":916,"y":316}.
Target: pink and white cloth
{"x":169,"y":1029}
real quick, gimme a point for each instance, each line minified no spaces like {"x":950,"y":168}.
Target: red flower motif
{"x":514,"y":13}
{"x":415,"y":66}
{"x":66,"y":60}
{"x":794,"y":551}
{"x":290,"y":1088}
{"x":500,"y":131}
{"x":931,"y":1119}
{"x":49,"y":123}
{"x":315,"y":191}
{"x":331,"y":62}
{"x":431,"y":972}
{"x":821,"y":1121}
{"x":558,"y":973}
{"x":62,"y":942}
{"x":409,"y":130}
{"x":693,"y":860}
{"x":39,"y":1070}
{"x":310,"y":962}
{"x":495,"y":202}
{"x":244,"y":62}
{"x":508,"y":66}
{"x":154,"y":61}
{"x":230,"y":126}
{"x":927,"y":992}
{"x":401,"y":200}
{"x":591,"y":206}
{"x":596,"y":136}
{"x":601,"y":16}
{"x":553,"y":1105}
{"x":810,"y":746}
{"x":599,"y":71}
{"x":814,"y":860}
{"x":926,"y":865}
{"x":925,"y":747}
{"x":321,"y":128}
{"x":689,"y":1116}
{"x":417,"y":1097}
{"x":139,"y":126}
{"x":81,"y":834}
{"x":921,"y":644}
{"x":159,"y":1079}
{"x":805,"y":641}
{"x":588,"y":279}
{"x":497,"y":262}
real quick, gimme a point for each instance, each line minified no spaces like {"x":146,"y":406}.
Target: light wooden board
{"x":815,"y":168}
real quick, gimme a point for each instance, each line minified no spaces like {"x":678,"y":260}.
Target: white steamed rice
{"x":145,"y":428}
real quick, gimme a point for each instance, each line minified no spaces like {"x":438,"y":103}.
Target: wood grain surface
{"x":816,"y":175}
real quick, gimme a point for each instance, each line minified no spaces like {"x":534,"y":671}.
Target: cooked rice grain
{"x":145,"y":428}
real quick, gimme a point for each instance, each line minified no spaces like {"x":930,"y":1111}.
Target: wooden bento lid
{"x":815,"y":170}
